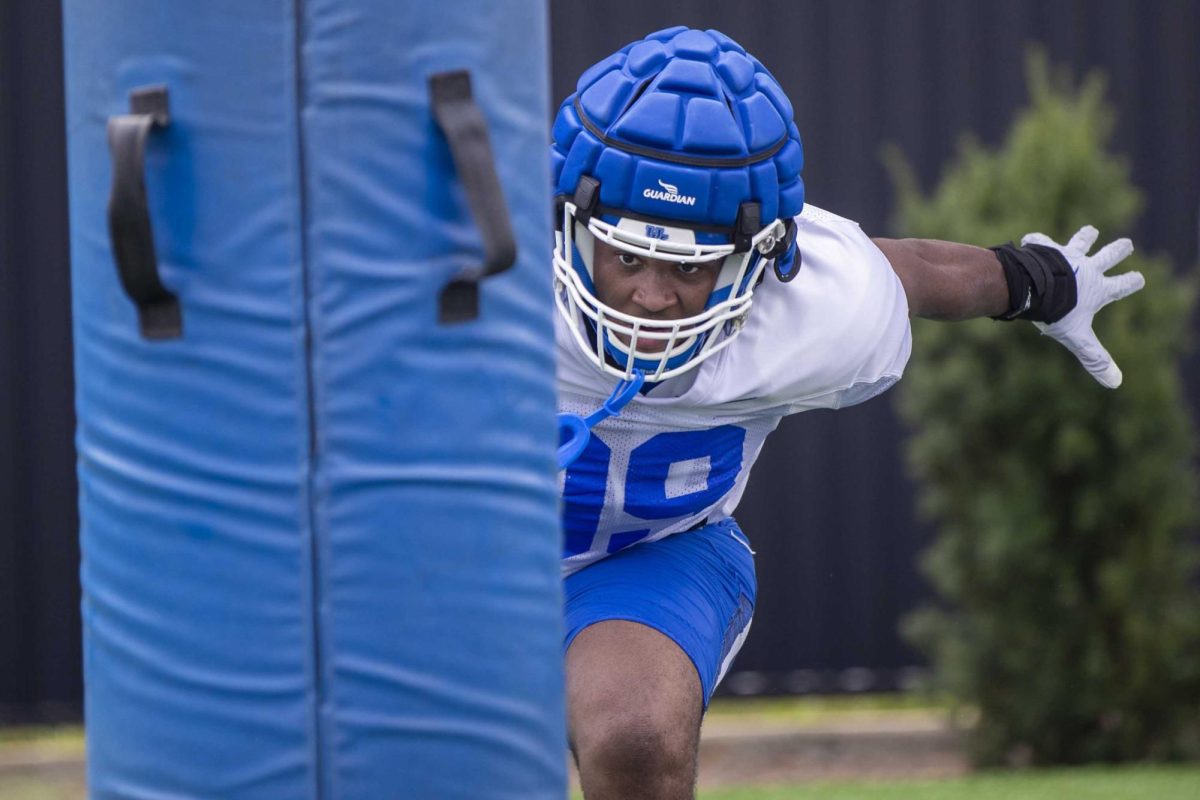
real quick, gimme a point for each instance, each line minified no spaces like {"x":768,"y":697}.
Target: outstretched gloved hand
{"x":1095,"y":290}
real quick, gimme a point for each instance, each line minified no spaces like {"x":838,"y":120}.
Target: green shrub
{"x":1065,"y":559}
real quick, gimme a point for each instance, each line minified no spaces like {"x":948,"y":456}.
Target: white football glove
{"x":1094,"y":290}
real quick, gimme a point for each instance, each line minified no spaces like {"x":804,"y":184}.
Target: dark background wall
{"x":828,"y":509}
{"x":39,"y":553}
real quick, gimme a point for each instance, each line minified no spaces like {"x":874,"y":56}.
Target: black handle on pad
{"x":129,"y":225}
{"x":462,"y":123}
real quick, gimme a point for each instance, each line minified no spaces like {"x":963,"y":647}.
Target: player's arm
{"x":1057,"y":287}
{"x":947,"y":280}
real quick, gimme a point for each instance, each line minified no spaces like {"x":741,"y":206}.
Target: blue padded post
{"x":320,"y":539}
{"x":441,"y":632}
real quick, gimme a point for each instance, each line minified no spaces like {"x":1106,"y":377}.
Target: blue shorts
{"x":697,"y":588}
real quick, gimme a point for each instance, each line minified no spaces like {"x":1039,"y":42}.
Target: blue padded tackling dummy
{"x":320,"y":535}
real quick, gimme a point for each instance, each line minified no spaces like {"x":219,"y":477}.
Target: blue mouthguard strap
{"x":574,"y":431}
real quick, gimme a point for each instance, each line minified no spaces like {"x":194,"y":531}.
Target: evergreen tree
{"x":1065,"y":558}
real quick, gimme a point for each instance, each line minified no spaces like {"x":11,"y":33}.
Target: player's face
{"x":651,"y":288}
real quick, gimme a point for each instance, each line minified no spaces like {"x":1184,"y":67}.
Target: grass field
{"x":774,"y":713}
{"x":64,"y":737}
{"x":1090,"y":783}
{"x":815,"y":710}
{"x":1085,"y":783}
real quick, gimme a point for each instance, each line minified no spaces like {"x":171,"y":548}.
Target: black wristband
{"x":1041,"y":283}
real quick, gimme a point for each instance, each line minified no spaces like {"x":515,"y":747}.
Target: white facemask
{"x":620,"y":342}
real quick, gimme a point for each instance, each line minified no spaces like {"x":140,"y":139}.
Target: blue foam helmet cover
{"x":320,"y":532}
{"x":690,"y":109}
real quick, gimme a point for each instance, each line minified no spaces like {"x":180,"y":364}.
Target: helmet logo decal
{"x":670,"y":193}
{"x":657,"y":232}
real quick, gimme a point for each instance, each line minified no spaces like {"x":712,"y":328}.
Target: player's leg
{"x":650,"y":631}
{"x":634,"y":704}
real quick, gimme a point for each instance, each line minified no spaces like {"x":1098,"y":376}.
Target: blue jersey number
{"x":649,"y":493}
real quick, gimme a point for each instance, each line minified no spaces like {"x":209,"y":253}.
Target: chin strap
{"x":574,"y":431}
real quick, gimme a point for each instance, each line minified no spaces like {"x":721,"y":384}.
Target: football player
{"x":690,"y":272}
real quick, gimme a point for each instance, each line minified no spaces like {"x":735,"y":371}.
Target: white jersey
{"x":681,"y":453}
